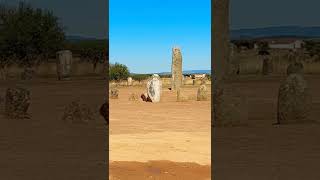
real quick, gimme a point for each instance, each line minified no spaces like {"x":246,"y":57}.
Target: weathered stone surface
{"x":75,"y":112}
{"x":17,"y":103}
{"x":133,"y":97}
{"x":27,"y":74}
{"x":176,"y":69}
{"x":202,"y":93}
{"x":129,"y":81}
{"x":64,"y":63}
{"x":267,"y":66}
{"x":104,"y":111}
{"x":229,"y":107}
{"x":114,"y":93}
{"x":154,"y":87}
{"x":295,"y":68}
{"x":181,"y":97}
{"x":294,"y":100}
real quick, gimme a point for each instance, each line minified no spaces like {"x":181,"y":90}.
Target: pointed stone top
{"x":176,"y":48}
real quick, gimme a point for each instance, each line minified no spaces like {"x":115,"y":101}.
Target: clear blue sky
{"x":143,"y":32}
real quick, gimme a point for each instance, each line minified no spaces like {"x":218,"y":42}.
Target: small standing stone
{"x":17,"y":103}
{"x":129,"y":81}
{"x":114,"y":93}
{"x":267,"y":66}
{"x":202,"y":93}
{"x":180,"y":96}
{"x":154,"y":87}
{"x":64,"y":63}
{"x":294,"y":100}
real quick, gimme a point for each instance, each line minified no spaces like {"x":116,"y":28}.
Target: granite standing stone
{"x":154,"y":87}
{"x":294,"y":100}
{"x":176,"y":68}
{"x":64,"y":64}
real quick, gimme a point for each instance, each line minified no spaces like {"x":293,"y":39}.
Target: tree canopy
{"x":118,"y":72}
{"x":29,"y":35}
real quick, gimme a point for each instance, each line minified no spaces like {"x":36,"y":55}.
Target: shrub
{"x":118,"y":72}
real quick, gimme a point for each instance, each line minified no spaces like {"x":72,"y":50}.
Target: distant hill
{"x":75,"y":38}
{"x":280,"y":31}
{"x":189,"y":72}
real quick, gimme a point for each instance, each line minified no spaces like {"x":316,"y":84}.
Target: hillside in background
{"x":189,"y":72}
{"x":281,"y":31}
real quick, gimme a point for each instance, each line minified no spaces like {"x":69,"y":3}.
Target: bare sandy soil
{"x":177,"y":132}
{"x":262,"y":151}
{"x":45,"y":147}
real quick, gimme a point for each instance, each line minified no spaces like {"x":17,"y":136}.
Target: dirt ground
{"x":45,"y":147}
{"x":167,"y":140}
{"x":263,"y":151}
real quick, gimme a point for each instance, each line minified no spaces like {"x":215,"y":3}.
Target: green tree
{"x":29,"y":35}
{"x":263,"y":47}
{"x":118,"y":72}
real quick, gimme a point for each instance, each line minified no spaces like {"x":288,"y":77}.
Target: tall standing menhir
{"x":176,"y":68}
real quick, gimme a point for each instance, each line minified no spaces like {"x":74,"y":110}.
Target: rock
{"x":17,"y":103}
{"x":129,"y":81}
{"x":64,"y":63}
{"x":133,"y":97}
{"x":114,"y":93}
{"x":180,"y":96}
{"x":267,"y":66}
{"x":27,"y":74}
{"x":230,"y":109}
{"x":145,"y":97}
{"x":202,"y":93}
{"x":104,"y":111}
{"x":295,"y":68}
{"x":75,"y":112}
{"x":294,"y":100}
{"x":154,"y":87}
{"x":176,"y":69}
